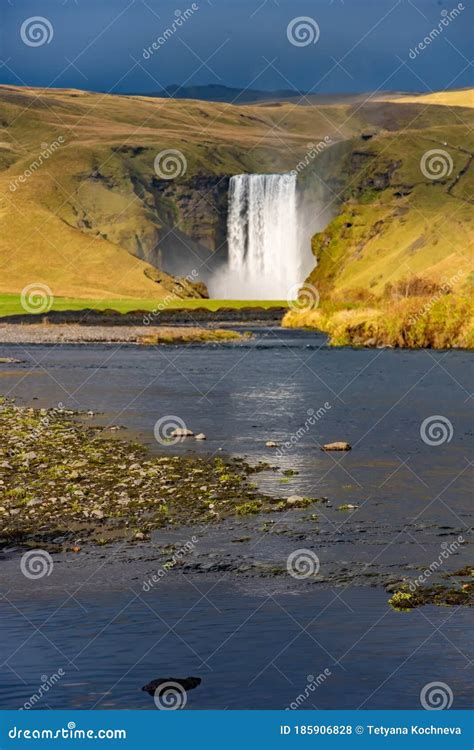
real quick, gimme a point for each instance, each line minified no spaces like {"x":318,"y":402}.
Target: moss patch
{"x":61,"y":480}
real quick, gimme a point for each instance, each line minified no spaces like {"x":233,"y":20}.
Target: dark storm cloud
{"x":363,"y":44}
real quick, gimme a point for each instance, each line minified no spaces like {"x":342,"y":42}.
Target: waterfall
{"x":265,"y":260}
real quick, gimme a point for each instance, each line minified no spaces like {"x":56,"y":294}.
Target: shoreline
{"x":70,"y":333}
{"x":61,"y":480}
{"x":410,"y":323}
{"x":63,"y":490}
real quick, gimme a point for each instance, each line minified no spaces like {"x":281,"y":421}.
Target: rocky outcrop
{"x":177,"y":226}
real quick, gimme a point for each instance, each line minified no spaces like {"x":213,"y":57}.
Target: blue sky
{"x":362,"y":45}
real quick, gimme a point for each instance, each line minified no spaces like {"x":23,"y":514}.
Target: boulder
{"x":338,"y":446}
{"x":295,"y":500}
{"x":182,"y":432}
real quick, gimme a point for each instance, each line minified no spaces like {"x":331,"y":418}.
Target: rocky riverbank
{"x":61,"y":480}
{"x":69,"y":486}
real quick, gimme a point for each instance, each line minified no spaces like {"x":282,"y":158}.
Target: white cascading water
{"x":265,"y":259}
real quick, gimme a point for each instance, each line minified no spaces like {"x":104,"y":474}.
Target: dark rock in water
{"x":187,"y":683}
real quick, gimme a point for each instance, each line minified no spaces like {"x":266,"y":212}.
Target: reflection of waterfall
{"x":265,"y":259}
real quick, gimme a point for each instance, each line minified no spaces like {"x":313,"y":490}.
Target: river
{"x":255,"y":639}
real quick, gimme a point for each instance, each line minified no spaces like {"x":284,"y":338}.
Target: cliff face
{"x":177,"y":226}
{"x":193,"y":224}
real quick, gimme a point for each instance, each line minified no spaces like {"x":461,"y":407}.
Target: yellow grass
{"x":461,"y":98}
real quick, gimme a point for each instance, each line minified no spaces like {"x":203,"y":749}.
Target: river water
{"x":255,"y":639}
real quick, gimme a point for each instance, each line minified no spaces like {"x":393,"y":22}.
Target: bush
{"x":441,"y":322}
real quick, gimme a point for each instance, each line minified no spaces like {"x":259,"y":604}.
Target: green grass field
{"x":10,"y":304}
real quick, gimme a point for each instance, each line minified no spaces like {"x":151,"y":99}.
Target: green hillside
{"x":84,"y":210}
{"x":402,"y":241}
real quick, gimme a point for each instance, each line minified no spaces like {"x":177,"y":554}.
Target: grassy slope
{"x":394,"y":224}
{"x":10,"y":304}
{"x":106,"y":165}
{"x":459,"y":98}
{"x":103,"y":171}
